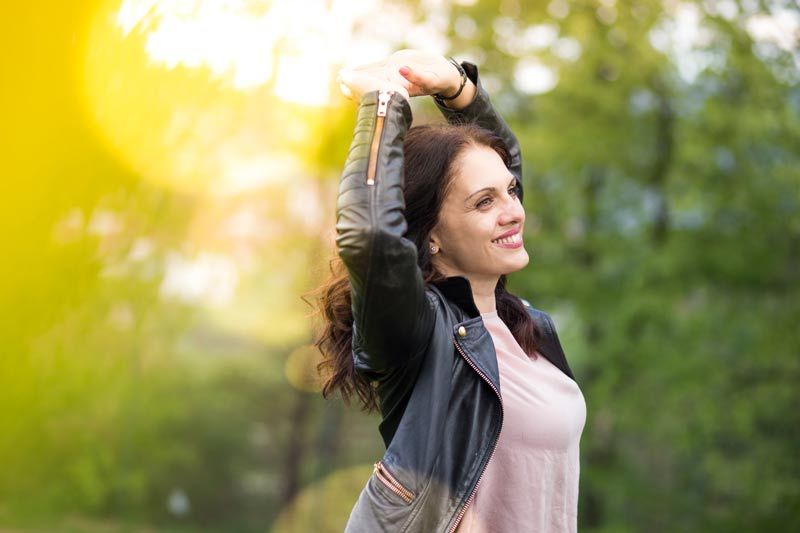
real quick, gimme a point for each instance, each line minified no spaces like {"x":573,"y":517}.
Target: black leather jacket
{"x":424,"y":347}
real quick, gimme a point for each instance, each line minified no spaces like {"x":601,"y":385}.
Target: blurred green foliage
{"x":663,"y":196}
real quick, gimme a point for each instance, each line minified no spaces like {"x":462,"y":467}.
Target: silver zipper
{"x":383,"y":102}
{"x":391,"y":482}
{"x":497,"y":438}
{"x":383,"y":105}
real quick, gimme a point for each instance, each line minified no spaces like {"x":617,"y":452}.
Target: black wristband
{"x":441,"y":99}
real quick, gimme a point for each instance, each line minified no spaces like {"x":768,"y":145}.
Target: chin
{"x":518,"y":263}
{"x":514,"y":266}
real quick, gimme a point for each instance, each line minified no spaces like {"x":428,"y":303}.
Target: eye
{"x":484,"y":202}
{"x":514,"y":189}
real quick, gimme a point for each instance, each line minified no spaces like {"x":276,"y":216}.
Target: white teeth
{"x":510,"y":240}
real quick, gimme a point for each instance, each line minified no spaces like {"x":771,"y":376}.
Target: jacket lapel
{"x":457,"y":290}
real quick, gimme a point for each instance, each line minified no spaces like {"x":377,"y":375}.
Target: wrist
{"x":464,"y":99}
{"x":470,"y":92}
{"x":453,"y":86}
{"x":444,"y":97}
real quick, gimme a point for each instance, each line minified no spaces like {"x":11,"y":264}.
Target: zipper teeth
{"x":390,"y":481}
{"x":383,"y":103}
{"x":494,"y":446}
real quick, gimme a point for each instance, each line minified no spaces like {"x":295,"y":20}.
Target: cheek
{"x":466,"y":233}
{"x":484,"y":229}
{"x":458,"y":234}
{"x":474,"y":235}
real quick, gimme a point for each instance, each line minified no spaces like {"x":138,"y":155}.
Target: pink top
{"x":531,"y":481}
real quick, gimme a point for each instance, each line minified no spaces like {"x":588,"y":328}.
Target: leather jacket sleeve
{"x":392,"y":317}
{"x":481,"y":112}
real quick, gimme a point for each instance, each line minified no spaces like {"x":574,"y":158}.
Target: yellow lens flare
{"x":216,"y":97}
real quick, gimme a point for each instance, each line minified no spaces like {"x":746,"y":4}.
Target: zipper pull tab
{"x":383,"y":102}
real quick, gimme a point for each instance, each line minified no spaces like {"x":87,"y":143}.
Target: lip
{"x":509,"y":233}
{"x":511,"y":245}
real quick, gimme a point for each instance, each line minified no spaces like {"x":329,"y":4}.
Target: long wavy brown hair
{"x":430,"y":154}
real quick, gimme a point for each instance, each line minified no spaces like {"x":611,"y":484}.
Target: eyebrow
{"x":488,"y":189}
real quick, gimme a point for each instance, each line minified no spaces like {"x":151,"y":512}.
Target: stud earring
{"x":434,"y":248}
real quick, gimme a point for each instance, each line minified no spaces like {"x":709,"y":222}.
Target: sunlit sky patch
{"x":294,"y":45}
{"x":248,"y":45}
{"x":685,"y":38}
{"x":533,"y":77}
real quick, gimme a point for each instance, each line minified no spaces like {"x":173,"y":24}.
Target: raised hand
{"x":424,"y":73}
{"x":419,"y":72}
{"x":354,"y":83}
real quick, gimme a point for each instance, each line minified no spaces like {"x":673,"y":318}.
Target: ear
{"x":433,"y":239}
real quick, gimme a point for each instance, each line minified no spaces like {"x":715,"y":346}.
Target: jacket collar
{"x":458,"y":290}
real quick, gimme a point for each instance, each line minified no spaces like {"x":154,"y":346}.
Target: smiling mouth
{"x":513,"y":239}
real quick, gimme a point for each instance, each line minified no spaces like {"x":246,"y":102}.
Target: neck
{"x":483,"y":293}
{"x":482,"y":287}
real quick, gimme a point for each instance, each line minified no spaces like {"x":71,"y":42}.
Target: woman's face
{"x":481,"y":207}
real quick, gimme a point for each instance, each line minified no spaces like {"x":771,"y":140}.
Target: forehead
{"x":478,"y":167}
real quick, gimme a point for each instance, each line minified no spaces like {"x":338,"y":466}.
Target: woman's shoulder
{"x":549,"y":337}
{"x":542,"y":320}
{"x":537,"y":314}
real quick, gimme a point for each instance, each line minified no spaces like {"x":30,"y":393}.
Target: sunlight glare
{"x":300,"y":80}
{"x":220,"y":97}
{"x":248,"y":46}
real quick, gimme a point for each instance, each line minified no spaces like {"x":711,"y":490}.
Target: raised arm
{"x":481,"y":111}
{"x":391,"y":312}
{"x":426,"y":73}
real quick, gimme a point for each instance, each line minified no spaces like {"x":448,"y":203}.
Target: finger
{"x":409,"y":74}
{"x":346,"y":92}
{"x":412,"y":88}
{"x":344,"y":79}
{"x":342,"y":85}
{"x":426,"y":80}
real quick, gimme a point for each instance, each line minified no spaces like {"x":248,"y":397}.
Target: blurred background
{"x":169,"y":180}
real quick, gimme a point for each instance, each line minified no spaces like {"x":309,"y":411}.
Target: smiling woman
{"x":419,"y":324}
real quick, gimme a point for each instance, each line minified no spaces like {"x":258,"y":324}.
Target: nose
{"x":511,"y":212}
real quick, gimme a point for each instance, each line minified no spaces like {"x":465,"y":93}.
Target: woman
{"x":481,"y":431}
